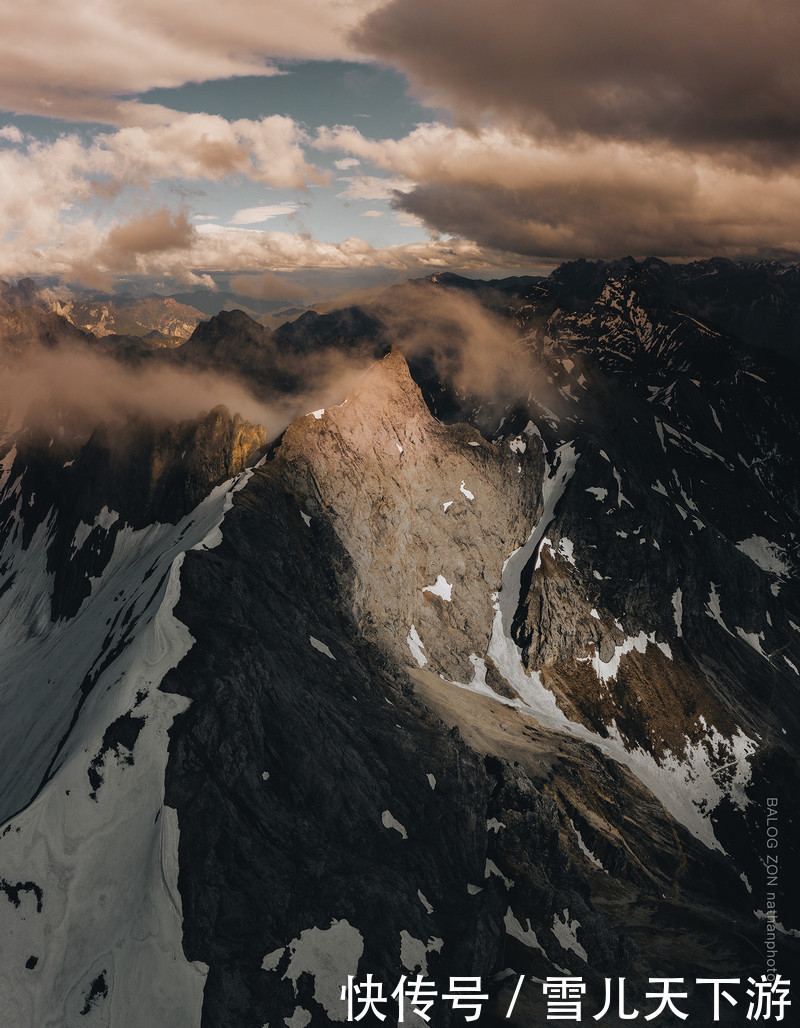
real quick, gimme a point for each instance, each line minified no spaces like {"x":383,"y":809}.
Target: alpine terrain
{"x":481,"y":659}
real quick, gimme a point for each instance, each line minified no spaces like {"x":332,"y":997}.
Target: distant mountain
{"x":492,"y":676}
{"x":153,"y":316}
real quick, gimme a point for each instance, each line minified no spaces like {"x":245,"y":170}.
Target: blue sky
{"x":365,"y":141}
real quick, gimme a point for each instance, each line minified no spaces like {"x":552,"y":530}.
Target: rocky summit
{"x":444,"y":681}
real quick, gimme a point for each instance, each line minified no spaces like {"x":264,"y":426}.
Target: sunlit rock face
{"x":432,"y":509}
{"x":394,"y":695}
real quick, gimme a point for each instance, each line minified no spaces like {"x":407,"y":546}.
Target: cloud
{"x":372,"y":214}
{"x":469,"y":348}
{"x":509,"y":192}
{"x":268,"y":286}
{"x":76,"y":384}
{"x":77,"y":60}
{"x":152,"y":233}
{"x":55,"y":196}
{"x":704,"y":75}
{"x":11,"y":134}
{"x":206,"y":146}
{"x":255,"y":215}
{"x":366,"y":187}
{"x":345,"y":163}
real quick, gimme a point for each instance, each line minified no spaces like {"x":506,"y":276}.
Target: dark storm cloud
{"x":564,"y":221}
{"x":698,"y":73}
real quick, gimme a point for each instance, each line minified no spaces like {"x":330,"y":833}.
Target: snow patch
{"x":329,"y":955}
{"x":441,"y":587}
{"x":767,"y":555}
{"x":677,"y":607}
{"x":318,"y":645}
{"x":527,"y":936}
{"x":431,"y":780}
{"x":517,"y":445}
{"x":584,"y":848}
{"x":449,"y":503}
{"x":318,"y":413}
{"x":416,"y":645}
{"x":105,"y":519}
{"x":305,"y":518}
{"x":466,"y":491}
{"x":388,"y":820}
{"x":566,"y":932}
{"x":492,"y":869}
{"x":414,"y":952}
{"x":598,"y":492}
{"x":424,"y":902}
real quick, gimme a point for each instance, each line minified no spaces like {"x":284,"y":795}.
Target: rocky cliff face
{"x":406,"y":696}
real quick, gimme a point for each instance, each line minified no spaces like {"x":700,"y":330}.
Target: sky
{"x":293,"y":151}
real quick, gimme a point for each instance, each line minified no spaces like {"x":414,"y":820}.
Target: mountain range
{"x":477,"y":655}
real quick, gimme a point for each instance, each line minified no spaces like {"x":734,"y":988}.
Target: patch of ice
{"x":660,"y":432}
{"x":620,"y":498}
{"x":466,"y":491}
{"x":584,"y":848}
{"x":305,"y":518}
{"x":399,"y":447}
{"x":677,"y":607}
{"x":598,"y":492}
{"x":565,"y":930}
{"x":414,"y":952}
{"x":441,"y":587}
{"x":318,"y":645}
{"x":608,"y":669}
{"x":527,"y":936}
{"x":388,"y":820}
{"x":318,"y":413}
{"x":767,"y":555}
{"x":492,"y":869}
{"x":329,"y":955}
{"x":301,"y":1018}
{"x":449,"y":503}
{"x":493,"y":825}
{"x":593,"y":613}
{"x":431,"y":780}
{"x":754,"y":640}
{"x":713,"y":608}
{"x":424,"y":902}
{"x":473,"y":890}
{"x":416,"y":645}
{"x":271,"y":960}
{"x":791,"y":665}
{"x":105,"y":519}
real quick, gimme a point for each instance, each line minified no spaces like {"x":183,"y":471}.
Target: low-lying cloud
{"x":85,"y":388}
